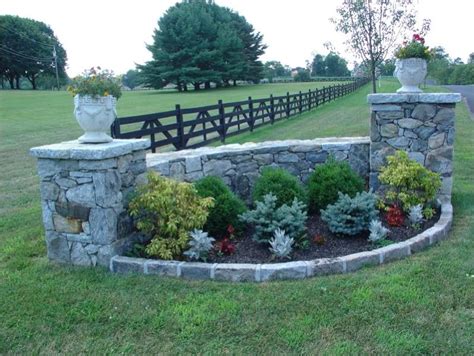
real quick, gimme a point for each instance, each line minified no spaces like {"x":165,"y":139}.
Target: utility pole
{"x":56,"y":65}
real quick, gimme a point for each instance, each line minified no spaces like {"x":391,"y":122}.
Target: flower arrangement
{"x":96,"y":82}
{"x":414,"y":49}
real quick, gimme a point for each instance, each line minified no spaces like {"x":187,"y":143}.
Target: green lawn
{"x":421,"y":305}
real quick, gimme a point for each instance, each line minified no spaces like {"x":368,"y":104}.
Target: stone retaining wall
{"x":241,"y":165}
{"x":83,"y":188}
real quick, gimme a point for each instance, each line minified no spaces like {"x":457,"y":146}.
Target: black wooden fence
{"x":193,"y":127}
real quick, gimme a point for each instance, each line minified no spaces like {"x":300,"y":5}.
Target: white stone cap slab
{"x":88,"y":151}
{"x":325,"y":143}
{"x":431,"y":98}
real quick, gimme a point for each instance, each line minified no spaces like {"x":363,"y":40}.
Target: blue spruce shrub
{"x":350,"y":216}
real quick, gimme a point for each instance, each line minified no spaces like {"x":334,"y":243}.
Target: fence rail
{"x":193,"y":127}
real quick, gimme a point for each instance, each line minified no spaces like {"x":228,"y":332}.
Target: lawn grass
{"x":421,"y":305}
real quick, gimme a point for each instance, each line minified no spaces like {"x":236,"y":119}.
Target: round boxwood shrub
{"x":281,"y":184}
{"x":328,"y":180}
{"x":227,"y":207}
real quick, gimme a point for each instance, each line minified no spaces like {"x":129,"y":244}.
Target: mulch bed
{"x":248,"y":251}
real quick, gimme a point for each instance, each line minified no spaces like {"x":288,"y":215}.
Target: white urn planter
{"x":95,"y":116}
{"x":411,"y":72}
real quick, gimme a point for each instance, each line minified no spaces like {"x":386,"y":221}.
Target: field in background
{"x":421,"y":305}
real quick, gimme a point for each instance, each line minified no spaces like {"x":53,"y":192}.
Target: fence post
{"x":180,"y":129}
{"x":252,"y":122}
{"x":300,"y":106}
{"x":272,"y":109}
{"x":310,"y":99}
{"x":222,"y":120}
{"x":287,"y":104}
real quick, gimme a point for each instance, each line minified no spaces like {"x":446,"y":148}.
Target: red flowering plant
{"x":395,"y":216}
{"x":413,"y":49}
{"x":226,"y":247}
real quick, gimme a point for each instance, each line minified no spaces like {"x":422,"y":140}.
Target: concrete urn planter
{"x":410,"y":72}
{"x":95,"y":116}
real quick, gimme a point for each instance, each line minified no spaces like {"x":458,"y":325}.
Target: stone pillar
{"x":83,"y":189}
{"x":420,"y":124}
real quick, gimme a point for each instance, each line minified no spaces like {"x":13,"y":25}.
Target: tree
{"x":471,"y":58}
{"x":318,"y":66}
{"x":273,"y":69}
{"x":375,"y":27}
{"x":198,"y":42}
{"x":132,"y":78}
{"x":27,"y":49}
{"x":302,"y":75}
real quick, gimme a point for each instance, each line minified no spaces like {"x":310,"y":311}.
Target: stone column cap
{"x":76,"y":150}
{"x":431,"y":98}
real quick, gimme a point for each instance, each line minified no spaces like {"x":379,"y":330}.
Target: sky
{"x":114,"y":34}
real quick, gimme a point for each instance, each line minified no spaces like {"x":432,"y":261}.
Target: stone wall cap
{"x":434,"y":98}
{"x":78,"y":151}
{"x":156,"y":158}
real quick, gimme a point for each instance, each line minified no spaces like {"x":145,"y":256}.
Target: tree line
{"x":29,"y":50}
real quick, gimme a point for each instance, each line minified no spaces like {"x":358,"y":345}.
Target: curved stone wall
{"x":240,"y":165}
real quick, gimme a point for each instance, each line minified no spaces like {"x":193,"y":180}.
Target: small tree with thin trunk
{"x":375,"y":27}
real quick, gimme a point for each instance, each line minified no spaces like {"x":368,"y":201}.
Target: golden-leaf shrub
{"x":168,"y":210}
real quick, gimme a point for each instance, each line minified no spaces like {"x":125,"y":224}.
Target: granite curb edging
{"x":246,"y":272}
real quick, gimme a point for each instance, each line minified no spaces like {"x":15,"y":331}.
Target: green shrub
{"x":266,"y":218}
{"x":168,"y":210}
{"x":408,"y":182}
{"x":227,"y":206}
{"x":328,"y":180}
{"x":284,"y":186}
{"x":350,"y":216}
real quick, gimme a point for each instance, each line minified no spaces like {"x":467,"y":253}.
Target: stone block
{"x":409,"y":123}
{"x":123,"y":163}
{"x":263,"y":158}
{"x":326,"y":266}
{"x":81,"y":237}
{"x":419,"y":145}
{"x":317,"y":157}
{"x":82,"y":195}
{"x":49,"y":191}
{"x":51,"y":167}
{"x":79,"y":255}
{"x":386,"y":107}
{"x":67,"y":225}
{"x":389,"y":130}
{"x":436,"y":141}
{"x":216,"y":167}
{"x":444,"y":114}
{"x":450,"y":137}
{"x":424,"y":132}
{"x":286,"y":158}
{"x":107,"y":188}
{"x":419,"y":242}
{"x":72,"y":210}
{"x":163,"y":168}
{"x":289,"y":270}
{"x":235,"y":272}
{"x":417,"y":156}
{"x":162,"y":268}
{"x":193,"y":164}
{"x":194,"y":176}
{"x":446,"y":186}
{"x":399,"y":142}
{"x":65,"y":183}
{"x":304,"y":148}
{"x":241,"y":158}
{"x":389,"y":115}
{"x":137,"y":167}
{"x":424,"y":112}
{"x":247,"y":167}
{"x":58,"y":248}
{"x":440,"y":160}
{"x":394,"y":252}
{"x":196,"y":270}
{"x":103,"y":225}
{"x":362,"y":259}
{"x":126,"y":265}
{"x":410,"y":134}
{"x":47,"y":215}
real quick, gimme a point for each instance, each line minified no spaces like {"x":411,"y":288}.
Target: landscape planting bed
{"x":258,"y":272}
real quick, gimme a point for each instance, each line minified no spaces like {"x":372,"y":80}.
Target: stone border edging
{"x":246,"y":272}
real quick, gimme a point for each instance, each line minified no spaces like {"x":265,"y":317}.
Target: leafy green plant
{"x":350,"y":216}
{"x":266,"y":218}
{"x":328,"y":180}
{"x":408,"y":182}
{"x":200,"y":245}
{"x":167,"y":210}
{"x":414,"y":49}
{"x":281,"y":184}
{"x":281,"y":244}
{"x":96,"y":82}
{"x":226,"y":209}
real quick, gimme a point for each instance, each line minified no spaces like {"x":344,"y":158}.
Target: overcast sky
{"x":113,"y":34}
